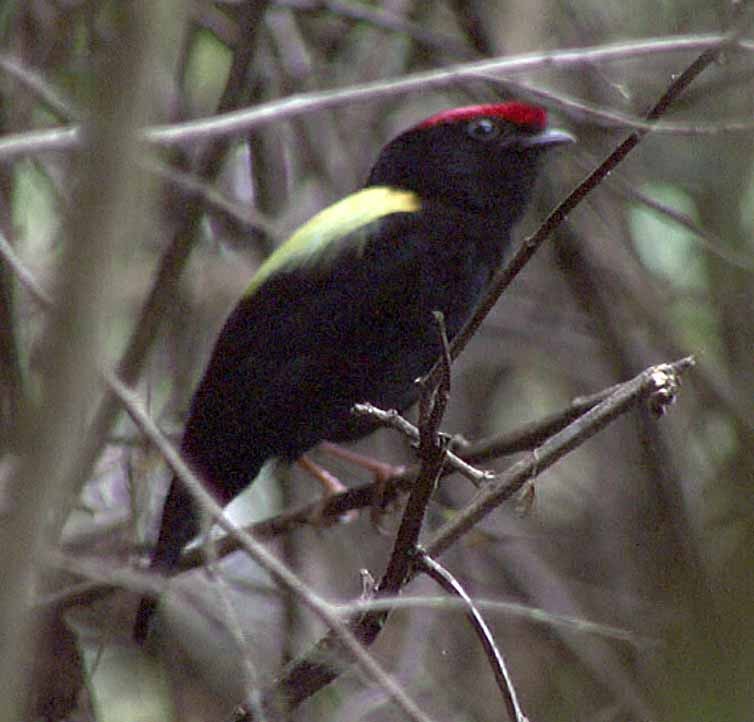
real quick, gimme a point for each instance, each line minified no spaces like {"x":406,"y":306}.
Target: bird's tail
{"x":180,"y":524}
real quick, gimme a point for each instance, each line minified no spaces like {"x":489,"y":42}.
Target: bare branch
{"x":653,"y":383}
{"x":241,"y":121}
{"x":450,"y":584}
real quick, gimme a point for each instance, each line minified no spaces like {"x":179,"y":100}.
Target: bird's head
{"x":482,"y":158}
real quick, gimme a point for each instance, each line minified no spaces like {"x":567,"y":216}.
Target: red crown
{"x":514,"y":112}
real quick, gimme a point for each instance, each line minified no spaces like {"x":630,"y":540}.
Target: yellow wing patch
{"x":319,"y":237}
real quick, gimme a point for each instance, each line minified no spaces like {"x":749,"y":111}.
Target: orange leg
{"x":382,"y":471}
{"x":330,"y":483}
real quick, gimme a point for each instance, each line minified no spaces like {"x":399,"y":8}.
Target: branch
{"x":308,"y":674}
{"x":227,"y":124}
{"x":432,"y":452}
{"x":657,"y":385}
{"x":392,"y":419}
{"x":448,"y":582}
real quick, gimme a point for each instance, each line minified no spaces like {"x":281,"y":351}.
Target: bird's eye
{"x":483,"y":129}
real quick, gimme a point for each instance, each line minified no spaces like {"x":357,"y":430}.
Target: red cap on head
{"x":519,"y":113}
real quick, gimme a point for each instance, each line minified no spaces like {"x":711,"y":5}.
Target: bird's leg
{"x":330,"y":483}
{"x":381,"y":470}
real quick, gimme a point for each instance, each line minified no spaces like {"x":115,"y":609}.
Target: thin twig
{"x":237,"y":632}
{"x":432,"y":452}
{"x":39,"y":86}
{"x":608,"y":118}
{"x":707,"y":239}
{"x":24,"y":275}
{"x":531,"y":435}
{"x":521,"y":611}
{"x":423,"y":562}
{"x":392,"y":419}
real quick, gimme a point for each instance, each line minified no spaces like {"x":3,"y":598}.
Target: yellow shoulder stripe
{"x":319,"y":238}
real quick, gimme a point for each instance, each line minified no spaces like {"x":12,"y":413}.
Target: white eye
{"x":483,"y":129}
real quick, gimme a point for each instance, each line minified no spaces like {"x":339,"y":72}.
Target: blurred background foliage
{"x":647,"y":529}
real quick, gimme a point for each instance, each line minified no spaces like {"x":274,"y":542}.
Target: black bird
{"x":342,"y":312}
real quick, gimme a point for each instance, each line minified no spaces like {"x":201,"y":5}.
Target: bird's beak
{"x":548,"y":139}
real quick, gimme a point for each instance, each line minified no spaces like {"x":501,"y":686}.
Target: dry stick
{"x":449,"y":583}
{"x":657,"y":384}
{"x":282,"y":575}
{"x":392,"y":419}
{"x":531,"y":435}
{"x":535,"y":615}
{"x":100,"y":579}
{"x":321,"y":664}
{"x":24,"y":275}
{"x":432,"y":452}
{"x":609,"y":118}
{"x":706,"y":238}
{"x":226,"y":124}
{"x":276,"y":111}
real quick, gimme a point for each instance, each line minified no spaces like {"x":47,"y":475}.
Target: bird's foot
{"x":330,"y":485}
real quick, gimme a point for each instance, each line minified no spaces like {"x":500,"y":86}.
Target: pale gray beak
{"x":548,"y":139}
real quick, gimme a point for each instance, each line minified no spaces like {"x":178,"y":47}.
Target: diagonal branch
{"x":657,"y":385}
{"x":432,"y":452}
{"x":450,"y":584}
{"x":227,"y":124}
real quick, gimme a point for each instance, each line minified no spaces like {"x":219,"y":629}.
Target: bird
{"x":343,"y":312}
